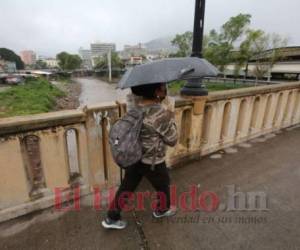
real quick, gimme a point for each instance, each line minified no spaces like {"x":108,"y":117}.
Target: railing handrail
{"x":20,"y":124}
{"x":249,"y":91}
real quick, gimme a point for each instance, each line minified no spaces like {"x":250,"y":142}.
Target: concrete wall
{"x":70,"y":148}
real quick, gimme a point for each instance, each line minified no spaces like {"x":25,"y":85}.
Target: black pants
{"x":158,"y":177}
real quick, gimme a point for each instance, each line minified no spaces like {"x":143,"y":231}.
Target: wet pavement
{"x":96,"y":91}
{"x":269,"y":167}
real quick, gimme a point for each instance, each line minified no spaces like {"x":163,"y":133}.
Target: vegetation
{"x":102,"y":62}
{"x":184,"y":43}
{"x":64,"y":79}
{"x":35,"y":96}
{"x":254,"y":46}
{"x":219,"y":45}
{"x":236,"y":43}
{"x":174,"y":87}
{"x":11,"y":56}
{"x":40,"y":64}
{"x":68,"y":61}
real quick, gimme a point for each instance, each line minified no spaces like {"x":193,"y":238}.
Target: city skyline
{"x":51,"y":27}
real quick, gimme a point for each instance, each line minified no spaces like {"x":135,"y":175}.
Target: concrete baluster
{"x":13,"y":185}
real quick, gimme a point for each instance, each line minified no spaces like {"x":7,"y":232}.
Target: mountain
{"x":161,"y":44}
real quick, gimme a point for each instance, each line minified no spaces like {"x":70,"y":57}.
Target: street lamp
{"x":195,"y":87}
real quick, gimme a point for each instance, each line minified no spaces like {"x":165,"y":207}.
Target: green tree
{"x":275,"y":44}
{"x":184,"y":43}
{"x":267,"y":50}
{"x":233,"y":29}
{"x":217,"y":50}
{"x":219,"y":46}
{"x":262,"y":48}
{"x":40,"y":64}
{"x":68,"y":61}
{"x":102,"y":62}
{"x":248,"y":49}
{"x":11,"y":56}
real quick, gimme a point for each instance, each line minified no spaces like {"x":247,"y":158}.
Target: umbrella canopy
{"x":167,"y":70}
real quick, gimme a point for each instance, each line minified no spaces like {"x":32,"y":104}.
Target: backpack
{"x":124,"y":138}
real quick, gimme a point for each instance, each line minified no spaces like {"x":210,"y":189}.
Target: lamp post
{"x":195,"y":87}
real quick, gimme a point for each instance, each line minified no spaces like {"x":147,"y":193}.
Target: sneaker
{"x":114,"y":224}
{"x":168,"y":213}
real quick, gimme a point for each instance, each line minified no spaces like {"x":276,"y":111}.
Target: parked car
{"x":13,"y":80}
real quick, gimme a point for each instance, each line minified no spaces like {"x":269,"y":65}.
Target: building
{"x":136,"y":60}
{"x":133,"y":54}
{"x":100,"y":49}
{"x":139,"y":54}
{"x":51,"y":62}
{"x":287,"y":67}
{"x":28,"y":57}
{"x":86,"y":56}
{"x":7,"y":67}
{"x":135,"y":50}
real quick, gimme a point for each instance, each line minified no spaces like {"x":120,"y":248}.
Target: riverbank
{"x":70,"y":93}
{"x":72,"y":90}
{"x":39,"y":96}
{"x":33,"y":97}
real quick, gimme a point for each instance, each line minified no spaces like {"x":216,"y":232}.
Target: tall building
{"x":100,"y":49}
{"x":28,"y":57}
{"x":86,"y":56}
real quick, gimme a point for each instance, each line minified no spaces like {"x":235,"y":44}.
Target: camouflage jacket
{"x":158,"y":130}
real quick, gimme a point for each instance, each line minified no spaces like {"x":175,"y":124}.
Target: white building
{"x":51,"y":62}
{"x":100,"y":49}
{"x":136,"y":60}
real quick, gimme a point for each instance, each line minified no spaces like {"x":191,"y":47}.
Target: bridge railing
{"x":234,"y":116}
{"x":67,"y":149}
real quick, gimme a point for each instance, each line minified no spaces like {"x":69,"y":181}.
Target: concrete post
{"x":196,"y":122}
{"x":198,"y":103}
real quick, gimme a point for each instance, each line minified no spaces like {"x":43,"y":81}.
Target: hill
{"x":161,"y":44}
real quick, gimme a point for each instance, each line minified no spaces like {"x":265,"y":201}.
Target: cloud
{"x":49,"y":27}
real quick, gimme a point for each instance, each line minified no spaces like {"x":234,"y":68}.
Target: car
{"x":13,"y":80}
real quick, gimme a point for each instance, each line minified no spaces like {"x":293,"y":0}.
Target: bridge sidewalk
{"x":270,"y":166}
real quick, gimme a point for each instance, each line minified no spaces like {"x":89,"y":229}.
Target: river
{"x":95,"y":91}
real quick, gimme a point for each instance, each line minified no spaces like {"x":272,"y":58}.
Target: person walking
{"x":158,"y":131}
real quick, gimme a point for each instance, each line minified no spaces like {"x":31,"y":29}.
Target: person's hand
{"x":169,"y":103}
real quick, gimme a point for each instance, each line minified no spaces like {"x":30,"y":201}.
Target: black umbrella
{"x":167,"y":70}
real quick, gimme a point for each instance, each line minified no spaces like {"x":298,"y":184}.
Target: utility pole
{"x":109,"y":65}
{"x":195,"y":87}
{"x":198,"y":28}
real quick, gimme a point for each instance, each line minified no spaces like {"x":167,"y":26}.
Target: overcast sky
{"x":51,"y":26}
